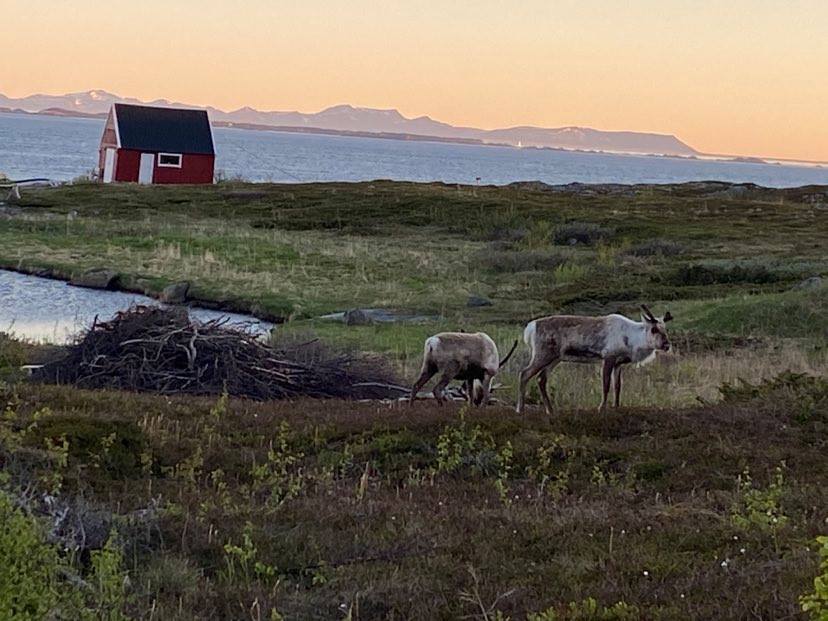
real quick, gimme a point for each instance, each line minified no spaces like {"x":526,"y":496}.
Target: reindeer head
{"x":656,"y":331}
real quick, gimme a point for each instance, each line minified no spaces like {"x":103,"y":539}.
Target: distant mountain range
{"x":361,"y":121}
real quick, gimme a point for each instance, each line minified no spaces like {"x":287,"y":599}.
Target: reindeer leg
{"x":470,"y":391}
{"x":543,"y":376}
{"x":426,"y":374}
{"x":535,"y":367}
{"x":486,"y":389}
{"x":609,"y":365}
{"x":448,"y":374}
{"x":616,"y":383}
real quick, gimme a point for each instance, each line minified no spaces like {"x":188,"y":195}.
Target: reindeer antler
{"x":648,"y":313}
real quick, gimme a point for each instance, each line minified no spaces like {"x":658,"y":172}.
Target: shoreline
{"x":126,"y":283}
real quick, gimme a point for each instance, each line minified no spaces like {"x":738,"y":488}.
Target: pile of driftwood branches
{"x":151,"y":349}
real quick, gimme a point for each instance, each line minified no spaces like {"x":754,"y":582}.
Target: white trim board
{"x":180,"y":157}
{"x":115,"y":122}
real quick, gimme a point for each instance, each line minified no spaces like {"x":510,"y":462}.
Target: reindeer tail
{"x":509,"y":355}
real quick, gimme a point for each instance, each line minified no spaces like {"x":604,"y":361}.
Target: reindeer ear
{"x":667,"y":317}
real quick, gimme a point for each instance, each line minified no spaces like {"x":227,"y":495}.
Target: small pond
{"x":51,"y":311}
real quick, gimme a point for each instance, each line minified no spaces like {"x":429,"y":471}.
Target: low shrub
{"x":807,"y":395}
{"x":33,"y":574}
{"x":115,"y":446}
{"x":570,"y":272}
{"x":463,"y":446}
{"x":758,"y":508}
{"x":12,"y":356}
{"x":586,"y":233}
{"x":29,"y":567}
{"x":503,"y":227}
{"x":509,"y":234}
{"x":589,"y":610}
{"x":816,"y":603}
{"x":509,"y":261}
{"x":713,"y":274}
{"x":656,"y":247}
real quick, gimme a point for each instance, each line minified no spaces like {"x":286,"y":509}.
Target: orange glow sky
{"x":742,"y":77}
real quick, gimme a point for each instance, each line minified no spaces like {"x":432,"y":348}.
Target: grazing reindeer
{"x":612,"y":339}
{"x":463,"y":356}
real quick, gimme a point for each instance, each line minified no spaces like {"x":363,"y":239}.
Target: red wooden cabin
{"x":145,"y":144}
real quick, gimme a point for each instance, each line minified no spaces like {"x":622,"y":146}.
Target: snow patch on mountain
{"x":345,"y":117}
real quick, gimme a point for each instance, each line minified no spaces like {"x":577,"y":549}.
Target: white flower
{"x":646,"y":573}
{"x":724,"y":563}
{"x":742,"y":550}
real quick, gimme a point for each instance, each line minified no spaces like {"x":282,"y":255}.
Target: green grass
{"x":791,"y":314}
{"x":302,"y":250}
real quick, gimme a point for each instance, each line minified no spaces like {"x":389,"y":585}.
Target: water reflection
{"x":50,"y":311}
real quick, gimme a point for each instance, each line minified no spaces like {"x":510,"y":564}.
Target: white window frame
{"x":180,"y":157}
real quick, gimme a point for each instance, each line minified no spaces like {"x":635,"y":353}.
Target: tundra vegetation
{"x":701,"y":497}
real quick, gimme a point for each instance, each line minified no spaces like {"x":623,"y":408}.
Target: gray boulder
{"x":96,"y":279}
{"x":143,"y":285}
{"x":810,"y":283}
{"x":368,"y":316}
{"x":477,"y":301}
{"x":175,"y":293}
{"x":358,"y":317}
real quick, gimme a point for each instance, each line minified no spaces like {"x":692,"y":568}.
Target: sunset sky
{"x":742,"y":77}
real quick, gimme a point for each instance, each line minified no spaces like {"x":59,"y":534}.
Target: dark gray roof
{"x":171,"y":130}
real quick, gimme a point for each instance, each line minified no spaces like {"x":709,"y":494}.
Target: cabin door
{"x":109,"y":166}
{"x":146,"y":167}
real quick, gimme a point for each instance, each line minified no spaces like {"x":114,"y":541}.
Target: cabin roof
{"x":172,"y":130}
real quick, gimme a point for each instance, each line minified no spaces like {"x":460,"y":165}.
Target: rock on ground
{"x":810,"y":283}
{"x":476,"y":301}
{"x":96,"y":279}
{"x":175,"y":293}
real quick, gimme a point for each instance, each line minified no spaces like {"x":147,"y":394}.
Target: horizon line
{"x":772,"y":158}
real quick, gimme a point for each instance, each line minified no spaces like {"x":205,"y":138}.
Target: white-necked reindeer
{"x":613,"y":340}
{"x":463,"y":356}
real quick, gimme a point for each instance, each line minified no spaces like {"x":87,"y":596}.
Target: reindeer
{"x":464,"y":356}
{"x":613,"y":339}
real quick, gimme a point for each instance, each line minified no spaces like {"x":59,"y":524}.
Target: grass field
{"x":700,"y":499}
{"x":304,"y":250}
